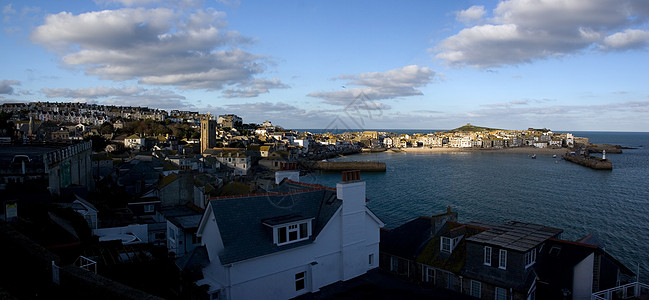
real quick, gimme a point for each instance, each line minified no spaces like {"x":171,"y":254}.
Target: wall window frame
{"x":500,"y":293}
{"x":149,"y":208}
{"x":530,"y":258}
{"x":292,"y":232}
{"x":487,"y":255}
{"x":476,"y":288}
{"x":502,"y":259}
{"x":446,"y":244}
{"x":300,"y":281}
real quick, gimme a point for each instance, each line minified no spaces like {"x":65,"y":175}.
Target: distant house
{"x":514,"y":260}
{"x":181,"y":224}
{"x":275,"y":160}
{"x":134,"y":142}
{"x":284,"y":244}
{"x":237,"y":160}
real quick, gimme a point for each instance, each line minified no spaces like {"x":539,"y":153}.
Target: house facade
{"x":284,"y":244}
{"x":515,"y":260}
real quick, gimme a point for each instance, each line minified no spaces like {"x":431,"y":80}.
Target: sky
{"x":566,"y":65}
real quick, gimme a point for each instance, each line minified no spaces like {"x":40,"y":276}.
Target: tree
{"x":106,"y":128}
{"x":6,"y":126}
{"x":99,"y":143}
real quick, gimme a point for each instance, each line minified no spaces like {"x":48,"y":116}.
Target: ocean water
{"x":499,"y":187}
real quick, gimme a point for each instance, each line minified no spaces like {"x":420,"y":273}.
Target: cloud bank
{"x":6,"y":86}
{"x":379,"y":85}
{"x":157,"y":46}
{"x":521,"y":31}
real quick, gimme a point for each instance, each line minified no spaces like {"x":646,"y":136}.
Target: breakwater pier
{"x":589,"y":161}
{"x":337,"y":166}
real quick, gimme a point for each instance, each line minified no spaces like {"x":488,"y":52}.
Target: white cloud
{"x":8,"y":9}
{"x":91,"y":93}
{"x":254,"y":88}
{"x":380,"y":85}
{"x":157,"y":46}
{"x":628,"y":39}
{"x":124,"y":96}
{"x":471,"y":15}
{"x":524,"y":30}
{"x":6,"y":86}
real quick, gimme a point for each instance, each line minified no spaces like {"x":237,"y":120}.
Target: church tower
{"x":208,"y":133}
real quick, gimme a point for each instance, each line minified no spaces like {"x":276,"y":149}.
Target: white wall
{"x":340,"y":252}
{"x":582,"y":280}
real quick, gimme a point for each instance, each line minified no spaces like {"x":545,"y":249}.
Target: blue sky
{"x":564,"y":65}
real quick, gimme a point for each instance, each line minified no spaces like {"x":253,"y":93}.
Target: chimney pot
{"x":351,"y":175}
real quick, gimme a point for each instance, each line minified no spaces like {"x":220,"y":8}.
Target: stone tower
{"x":208,"y":133}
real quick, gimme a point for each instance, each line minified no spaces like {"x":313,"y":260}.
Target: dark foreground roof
{"x":241,"y":219}
{"x":407,"y":240}
{"x":517,"y":236}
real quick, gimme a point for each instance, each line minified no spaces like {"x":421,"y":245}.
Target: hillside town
{"x":136,"y":203}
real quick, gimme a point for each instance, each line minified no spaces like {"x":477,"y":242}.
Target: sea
{"x":498,"y":187}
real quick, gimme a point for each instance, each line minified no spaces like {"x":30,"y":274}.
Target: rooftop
{"x":241,"y":218}
{"x":517,"y":236}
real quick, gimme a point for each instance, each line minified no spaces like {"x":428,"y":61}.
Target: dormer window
{"x":296,"y":229}
{"x":447,"y":244}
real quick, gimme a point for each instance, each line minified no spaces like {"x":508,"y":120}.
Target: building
{"x":515,"y":260}
{"x":48,"y":167}
{"x":287,"y":243}
{"x":135,"y":141}
{"x":230,"y":120}
{"x":208,"y":134}
{"x":236,"y":160}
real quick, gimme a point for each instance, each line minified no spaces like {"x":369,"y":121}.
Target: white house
{"x":287,"y":243}
{"x":237,"y":160}
{"x":134,"y":142}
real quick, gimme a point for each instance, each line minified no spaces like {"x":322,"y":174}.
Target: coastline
{"x":527,"y":150}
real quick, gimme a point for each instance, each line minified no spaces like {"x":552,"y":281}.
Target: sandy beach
{"x":529,"y":150}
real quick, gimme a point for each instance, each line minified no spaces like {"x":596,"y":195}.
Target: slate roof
{"x":432,"y":255}
{"x":186,"y":222}
{"x":517,"y":236}
{"x":240,"y":219}
{"x":407,"y":240}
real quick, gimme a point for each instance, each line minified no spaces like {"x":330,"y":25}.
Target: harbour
{"x":499,"y":186}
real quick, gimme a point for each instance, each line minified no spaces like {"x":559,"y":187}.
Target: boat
{"x":533,"y":156}
{"x":554,"y":156}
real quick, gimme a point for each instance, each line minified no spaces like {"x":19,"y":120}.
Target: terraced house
{"x":515,"y":260}
{"x":286,"y":243}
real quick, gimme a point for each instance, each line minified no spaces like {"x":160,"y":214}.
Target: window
{"x":371,"y":259}
{"x":172,"y":234}
{"x":429,"y":276}
{"x":501,"y":294}
{"x":394,"y":264}
{"x":300,"y":281}
{"x":487,"y":255}
{"x":476,"y":286}
{"x":445,"y":244}
{"x":450,"y":279}
{"x":148,"y":208}
{"x":292,"y":233}
{"x":530,"y":258}
{"x":502,"y":260}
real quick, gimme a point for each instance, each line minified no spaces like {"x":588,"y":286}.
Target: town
{"x":138,"y":203}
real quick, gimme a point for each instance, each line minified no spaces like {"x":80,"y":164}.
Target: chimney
{"x":438,"y":221}
{"x":351,"y":190}
{"x":287,"y":170}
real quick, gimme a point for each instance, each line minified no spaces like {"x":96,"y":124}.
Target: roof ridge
{"x":314,"y":185}
{"x":267,"y":194}
{"x":574,"y":243}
